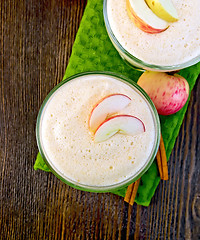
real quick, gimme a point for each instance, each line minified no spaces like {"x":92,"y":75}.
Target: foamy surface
{"x":69,"y":145}
{"x":178,"y":44}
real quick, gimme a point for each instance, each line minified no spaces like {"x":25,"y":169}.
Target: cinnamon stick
{"x":162,"y":160}
{"x":131,"y":192}
{"x":159,"y":163}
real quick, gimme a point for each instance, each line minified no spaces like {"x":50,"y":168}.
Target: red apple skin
{"x":124,"y":128}
{"x":139,"y":22}
{"x":169,"y":93}
{"x":101,"y":100}
{"x":116,"y":116}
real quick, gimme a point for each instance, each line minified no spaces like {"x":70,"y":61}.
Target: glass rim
{"x":106,"y":188}
{"x":137,"y":60}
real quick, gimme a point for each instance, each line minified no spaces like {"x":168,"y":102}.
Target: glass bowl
{"x":136,"y":62}
{"x":92,"y":188}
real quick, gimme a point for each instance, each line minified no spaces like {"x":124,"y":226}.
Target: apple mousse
{"x":160,"y":32}
{"x":97,"y":130}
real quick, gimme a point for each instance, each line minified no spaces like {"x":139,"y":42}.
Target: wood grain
{"x":36,"y":39}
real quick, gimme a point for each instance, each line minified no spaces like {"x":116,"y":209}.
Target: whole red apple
{"x":169,"y":93}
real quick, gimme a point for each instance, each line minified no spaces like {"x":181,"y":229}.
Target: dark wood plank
{"x":36,"y":41}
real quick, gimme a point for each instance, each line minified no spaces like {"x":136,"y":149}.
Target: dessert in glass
{"x":73,"y":126}
{"x":174,"y":47}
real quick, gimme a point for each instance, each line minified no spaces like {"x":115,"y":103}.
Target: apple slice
{"x":163,"y":9}
{"x":107,"y":106}
{"x":126,"y":124}
{"x":144,"y":18}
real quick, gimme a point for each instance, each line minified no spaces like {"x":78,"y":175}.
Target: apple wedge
{"x":107,"y":106}
{"x":163,"y":9}
{"x":125,"y":124}
{"x":144,"y":18}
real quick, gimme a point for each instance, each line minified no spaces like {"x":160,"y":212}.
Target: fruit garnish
{"x":163,"y":9}
{"x":107,"y":106}
{"x":144,"y":18}
{"x":125,"y":124}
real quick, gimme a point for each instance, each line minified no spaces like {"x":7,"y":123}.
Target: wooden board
{"x":36,"y":39}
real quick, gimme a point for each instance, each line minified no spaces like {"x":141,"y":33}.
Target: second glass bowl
{"x":136,"y":62}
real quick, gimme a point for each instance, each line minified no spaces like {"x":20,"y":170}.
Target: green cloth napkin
{"x":93,"y":51}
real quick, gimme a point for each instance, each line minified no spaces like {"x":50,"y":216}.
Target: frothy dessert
{"x":178,"y":44}
{"x":68,"y":145}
